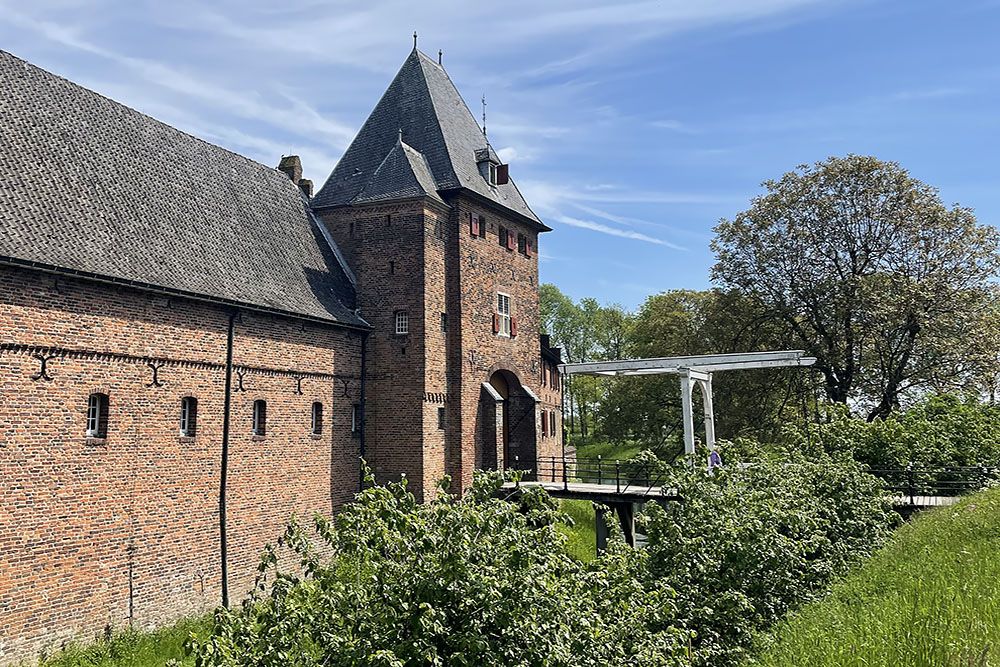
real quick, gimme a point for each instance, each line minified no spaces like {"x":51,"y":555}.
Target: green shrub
{"x":943,"y":430}
{"x":471,"y":581}
{"x":746,"y":545}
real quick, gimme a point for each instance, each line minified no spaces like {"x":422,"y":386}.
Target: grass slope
{"x":930,"y":598}
{"x":582,"y":542}
{"x":131,"y":648}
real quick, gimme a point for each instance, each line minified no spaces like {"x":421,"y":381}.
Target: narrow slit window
{"x":355,"y":418}
{"x":441,"y":419}
{"x":97,"y":416}
{"x":317,"y":418}
{"x":444,"y":322}
{"x":260,"y":417}
{"x":189,"y":416}
{"x":552,"y":422}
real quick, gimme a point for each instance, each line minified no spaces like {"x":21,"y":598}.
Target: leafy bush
{"x":746,"y":545}
{"x":943,"y":430}
{"x":485,"y":581}
{"x":471,"y":581}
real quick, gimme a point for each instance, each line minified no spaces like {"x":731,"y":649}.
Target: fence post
{"x":909,"y":481}
{"x":618,"y":476}
{"x":565,"y":482}
{"x":516,"y":467}
{"x":600,"y":475}
{"x":553,"y":468}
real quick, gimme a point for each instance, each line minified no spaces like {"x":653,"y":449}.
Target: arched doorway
{"x":505,"y":434}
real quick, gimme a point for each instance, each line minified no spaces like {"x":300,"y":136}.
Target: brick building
{"x":193,"y":347}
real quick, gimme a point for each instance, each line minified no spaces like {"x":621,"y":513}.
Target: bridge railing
{"x":947,"y":481}
{"x":624,"y":476}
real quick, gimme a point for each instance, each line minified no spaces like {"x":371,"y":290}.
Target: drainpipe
{"x":361,"y":412}
{"x":223,"y":543}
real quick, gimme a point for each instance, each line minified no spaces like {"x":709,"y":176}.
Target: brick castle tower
{"x":444,"y":251}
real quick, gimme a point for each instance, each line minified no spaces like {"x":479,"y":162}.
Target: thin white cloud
{"x":615,"y":231}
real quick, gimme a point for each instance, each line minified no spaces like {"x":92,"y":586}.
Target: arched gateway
{"x":505,"y":423}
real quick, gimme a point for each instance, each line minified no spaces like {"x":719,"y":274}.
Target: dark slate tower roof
{"x":435,"y":121}
{"x":93,"y":188}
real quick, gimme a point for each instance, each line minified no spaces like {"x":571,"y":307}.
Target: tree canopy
{"x":873,"y":275}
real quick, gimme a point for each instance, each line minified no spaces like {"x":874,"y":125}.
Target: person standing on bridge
{"x":714,"y":458}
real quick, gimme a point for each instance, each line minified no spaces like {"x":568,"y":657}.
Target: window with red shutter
{"x":545,"y":423}
{"x":527,"y":249}
{"x":496,"y":322}
{"x":511,"y":241}
{"x":513,"y":327}
{"x":473,"y":224}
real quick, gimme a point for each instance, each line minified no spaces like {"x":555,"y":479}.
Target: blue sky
{"x":631,"y":127}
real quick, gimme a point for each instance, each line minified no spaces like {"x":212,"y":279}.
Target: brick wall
{"x":100,"y":532}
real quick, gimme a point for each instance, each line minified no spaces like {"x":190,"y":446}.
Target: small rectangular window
{"x":444,"y":322}
{"x":545,"y":423}
{"x":482,"y":227}
{"x":189,"y":416}
{"x":97,"y":416}
{"x":522,"y":244}
{"x":503,"y":315}
{"x":317,"y":418}
{"x":260,"y":417}
{"x":441,"y":418}
{"x":552,"y":422}
{"x":502,"y":236}
{"x":355,"y":418}
{"x":555,"y":378}
{"x":392,"y":268}
{"x":402,"y":322}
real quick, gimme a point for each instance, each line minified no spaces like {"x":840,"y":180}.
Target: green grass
{"x":930,"y":598}
{"x":608,"y":450}
{"x":582,"y":542}
{"x":131,"y":648}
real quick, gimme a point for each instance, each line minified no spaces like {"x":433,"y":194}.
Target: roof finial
{"x":484,"y":121}
{"x":440,"y":54}
{"x":400,"y":138}
{"x":414,"y":40}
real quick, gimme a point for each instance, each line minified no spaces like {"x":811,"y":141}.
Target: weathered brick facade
{"x":126,"y":528}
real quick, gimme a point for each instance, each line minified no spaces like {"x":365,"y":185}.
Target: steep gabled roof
{"x":91,"y":187}
{"x":435,"y":121}
{"x":403,"y":173}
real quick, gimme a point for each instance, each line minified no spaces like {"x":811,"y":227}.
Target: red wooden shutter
{"x":503,"y":174}
{"x":496,"y":323}
{"x":473,"y":224}
{"x":527,"y":248}
{"x":513,"y":326}
{"x":511,"y":241}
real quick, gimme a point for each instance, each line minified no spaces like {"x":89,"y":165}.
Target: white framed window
{"x":260,"y":417}
{"x":189,"y":416}
{"x":493,"y":174}
{"x":97,"y":416}
{"x":317,"y":418}
{"x":402,"y":321}
{"x":503,"y":314}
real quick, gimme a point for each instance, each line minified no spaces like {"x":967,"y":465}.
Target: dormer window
{"x":490,"y":167}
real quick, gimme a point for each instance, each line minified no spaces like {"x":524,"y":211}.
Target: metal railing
{"x":939,"y":481}
{"x":624,"y":476}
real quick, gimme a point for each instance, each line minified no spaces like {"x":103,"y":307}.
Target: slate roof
{"x":424,"y":103}
{"x":403,"y":173}
{"x":92,"y":187}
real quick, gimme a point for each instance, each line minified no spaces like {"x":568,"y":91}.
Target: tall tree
{"x":872,"y":274}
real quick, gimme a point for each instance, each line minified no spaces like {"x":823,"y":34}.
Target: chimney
{"x":307,"y":187}
{"x":292,"y":166}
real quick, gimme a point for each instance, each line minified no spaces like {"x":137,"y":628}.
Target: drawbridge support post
{"x":626,"y":519}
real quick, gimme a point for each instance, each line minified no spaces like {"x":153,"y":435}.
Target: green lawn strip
{"x":930,"y":598}
{"x":609,"y":451}
{"x":134,"y":648}
{"x":582,"y":536}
